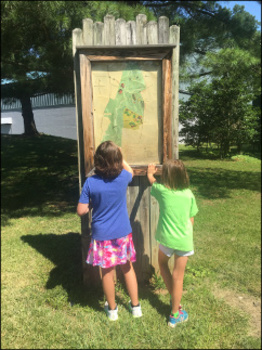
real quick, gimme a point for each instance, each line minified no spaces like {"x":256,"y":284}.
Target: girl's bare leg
{"x":131,"y":282}
{"x":164,"y":270}
{"x":109,"y":286}
{"x":177,"y":281}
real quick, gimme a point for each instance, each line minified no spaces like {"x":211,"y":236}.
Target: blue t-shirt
{"x":110,"y":218}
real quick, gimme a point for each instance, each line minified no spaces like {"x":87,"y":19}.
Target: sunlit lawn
{"x":45,"y":305}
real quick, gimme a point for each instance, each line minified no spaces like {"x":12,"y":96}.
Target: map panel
{"x":127,"y":108}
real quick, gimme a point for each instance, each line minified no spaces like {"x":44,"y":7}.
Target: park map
{"x":126,"y":108}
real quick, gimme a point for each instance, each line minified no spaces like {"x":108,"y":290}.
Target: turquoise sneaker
{"x":183,"y":317}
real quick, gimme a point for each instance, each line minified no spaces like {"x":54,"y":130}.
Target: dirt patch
{"x":161,"y":291}
{"x":247,"y":304}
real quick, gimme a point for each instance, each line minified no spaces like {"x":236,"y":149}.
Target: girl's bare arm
{"x":151,"y":170}
{"x":82,"y":209}
{"x":127,"y":167}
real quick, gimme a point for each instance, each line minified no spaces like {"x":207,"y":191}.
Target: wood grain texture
{"x":88,"y":32}
{"x":141,"y":21}
{"x":77,"y":40}
{"x":141,"y":170}
{"x":99,"y":37}
{"x":152,"y":32}
{"x":109,"y":30}
{"x":120,"y":28}
{"x":131,"y":33}
{"x":174,"y":38}
{"x":87,"y":112}
{"x":163,"y":30}
{"x":166,"y":87}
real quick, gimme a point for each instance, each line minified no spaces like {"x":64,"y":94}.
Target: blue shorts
{"x":170,"y":251}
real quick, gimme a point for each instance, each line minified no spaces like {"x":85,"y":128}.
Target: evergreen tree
{"x":220,"y":110}
{"x":36,"y":46}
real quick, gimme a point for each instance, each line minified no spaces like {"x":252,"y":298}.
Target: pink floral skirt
{"x":111,"y":252}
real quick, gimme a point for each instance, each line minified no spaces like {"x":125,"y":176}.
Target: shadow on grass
{"x":65,"y":252}
{"x":39,"y":176}
{"x":215,"y":183}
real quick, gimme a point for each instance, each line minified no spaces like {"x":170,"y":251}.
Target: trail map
{"x":127,"y":108}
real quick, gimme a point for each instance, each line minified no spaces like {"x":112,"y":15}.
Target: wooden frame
{"x":89,"y":54}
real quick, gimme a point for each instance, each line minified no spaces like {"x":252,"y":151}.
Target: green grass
{"x":45,"y":305}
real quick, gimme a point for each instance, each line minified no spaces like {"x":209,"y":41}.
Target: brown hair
{"x":108,"y":160}
{"x":174,"y":175}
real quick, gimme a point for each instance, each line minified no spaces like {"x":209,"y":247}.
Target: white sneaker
{"x":136,"y":311}
{"x":111,"y":314}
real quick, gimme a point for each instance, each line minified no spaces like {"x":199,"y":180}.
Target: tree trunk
{"x":239,"y":147}
{"x":27,"y":113}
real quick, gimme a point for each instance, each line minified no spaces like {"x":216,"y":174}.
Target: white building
{"x":53,"y":116}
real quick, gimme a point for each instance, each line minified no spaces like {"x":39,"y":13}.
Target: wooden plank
{"x":145,"y":227}
{"x":153,"y":220}
{"x":166,"y":88}
{"x":87,"y":112}
{"x":124,"y":58}
{"x":99,"y":33}
{"x":174,"y":38}
{"x":125,"y":51}
{"x":87,"y":31}
{"x":163,"y":30}
{"x":141,"y":21}
{"x":152,"y":32}
{"x":120,"y":30}
{"x":141,"y":170}
{"x":134,"y":199}
{"x":131,"y":33}
{"x":76,"y":40}
{"x":109,"y":30}
{"x":135,"y":217}
{"x":145,"y":48}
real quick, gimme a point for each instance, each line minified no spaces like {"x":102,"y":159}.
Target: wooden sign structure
{"x":126,"y":90}
{"x":126,"y":101}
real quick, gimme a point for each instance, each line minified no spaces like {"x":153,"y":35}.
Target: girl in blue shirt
{"x":111,"y":242}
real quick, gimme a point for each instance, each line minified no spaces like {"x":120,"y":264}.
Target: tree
{"x":212,"y":38}
{"x":36,"y":46}
{"x":36,"y":39}
{"x":206,"y":26}
{"x":221,"y":110}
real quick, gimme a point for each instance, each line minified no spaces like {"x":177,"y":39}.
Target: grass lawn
{"x":44,"y":304}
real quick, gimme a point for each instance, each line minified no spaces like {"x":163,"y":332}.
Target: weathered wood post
{"x":143,"y":209}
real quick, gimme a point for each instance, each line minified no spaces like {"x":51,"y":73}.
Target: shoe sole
{"x":112,"y":319}
{"x":172,"y":325}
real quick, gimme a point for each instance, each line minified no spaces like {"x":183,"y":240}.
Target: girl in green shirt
{"x":177,"y":208}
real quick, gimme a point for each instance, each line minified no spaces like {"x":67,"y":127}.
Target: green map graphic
{"x":127,"y":109}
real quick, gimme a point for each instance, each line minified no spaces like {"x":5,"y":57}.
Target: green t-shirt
{"x":174,"y":229}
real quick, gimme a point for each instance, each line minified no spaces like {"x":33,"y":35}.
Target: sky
{"x":253,"y":7}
